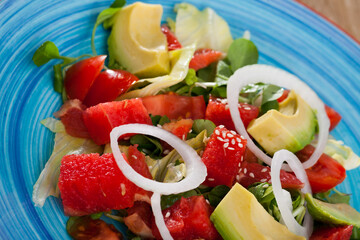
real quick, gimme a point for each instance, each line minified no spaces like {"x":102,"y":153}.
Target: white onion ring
{"x":195,"y":169}
{"x":267,"y":74}
{"x":284,"y":201}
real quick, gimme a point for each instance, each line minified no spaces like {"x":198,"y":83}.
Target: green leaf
{"x":164,"y":119}
{"x":333,"y":196}
{"x":355,"y":234}
{"x":148,"y":145}
{"x":217,"y":194}
{"x":200,"y":125}
{"x":271,"y":93}
{"x":95,"y":216}
{"x":219,"y":92}
{"x":45,"y":53}
{"x":169,"y":200}
{"x":223,"y":72}
{"x":158,"y":119}
{"x":58,"y":78}
{"x":242,"y":52}
{"x":191,"y":78}
{"x":208,"y":73}
{"x":118,"y":4}
{"x":268,"y":106}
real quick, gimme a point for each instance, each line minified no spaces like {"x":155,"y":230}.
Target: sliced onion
{"x":195,"y":169}
{"x":282,"y":197}
{"x":267,"y":74}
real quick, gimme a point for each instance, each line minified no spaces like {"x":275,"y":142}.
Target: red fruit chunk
{"x":90,"y":183}
{"x":189,"y":218}
{"x":333,"y":116}
{"x":223,"y":156}
{"x":175,"y":107}
{"x":108,"y":86}
{"x":249,"y":156}
{"x":180,"y":128}
{"x":218,"y":112}
{"x":172,"y":41}
{"x":325,"y":174}
{"x":204,"y":57}
{"x":102,"y":118}
{"x":80,"y":76}
{"x":284,"y":95}
{"x":139,"y":219}
{"x":332,"y":233}
{"x":251,"y":173}
{"x":70,"y":115}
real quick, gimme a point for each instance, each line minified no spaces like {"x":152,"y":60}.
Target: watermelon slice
{"x":189,"y":218}
{"x":90,"y":183}
{"x":102,"y":118}
{"x":218,"y":112}
{"x":223,"y":156}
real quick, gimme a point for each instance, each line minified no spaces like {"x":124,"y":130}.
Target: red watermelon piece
{"x":189,"y":218}
{"x":180,"y":128}
{"x":102,"y":118}
{"x":250,"y":173}
{"x":90,"y":183}
{"x":218,"y":112}
{"x":223,"y":156}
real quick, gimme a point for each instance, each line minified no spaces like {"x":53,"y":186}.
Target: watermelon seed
{"x":251,"y":175}
{"x":245,"y":170}
{"x":264,"y":170}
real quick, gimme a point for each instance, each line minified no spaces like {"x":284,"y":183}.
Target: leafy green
{"x":191,"y":78}
{"x":159,"y":120}
{"x":105,"y":15}
{"x":95,"y":216}
{"x":45,"y":53}
{"x":200,"y":125}
{"x":265,"y":196}
{"x":47,"y":183}
{"x":204,"y":28}
{"x":149,"y":145}
{"x":223,"y":72}
{"x":242,"y":52}
{"x":216,"y":194}
{"x":355,"y":234}
{"x":169,"y":200}
{"x":333,"y":196}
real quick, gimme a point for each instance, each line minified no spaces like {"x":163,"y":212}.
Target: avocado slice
{"x":137,"y":43}
{"x":240,"y":216}
{"x":338,"y":214}
{"x":291,"y":128}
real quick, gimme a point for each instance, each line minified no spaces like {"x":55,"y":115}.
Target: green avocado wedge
{"x":338,"y":214}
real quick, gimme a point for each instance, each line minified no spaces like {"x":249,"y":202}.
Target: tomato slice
{"x":108,"y":86}
{"x":80,"y":76}
{"x":333,"y":116}
{"x":173,"y":42}
{"x":283,"y":96}
{"x":175,"y":106}
{"x":325,"y":174}
{"x":332,"y":233}
{"x":204,"y":57}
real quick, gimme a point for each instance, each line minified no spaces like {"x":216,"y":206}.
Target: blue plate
{"x":288,"y":36}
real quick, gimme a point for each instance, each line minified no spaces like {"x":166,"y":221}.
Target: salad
{"x":182,"y":135}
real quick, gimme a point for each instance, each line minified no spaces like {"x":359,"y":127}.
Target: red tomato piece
{"x":283,"y":96}
{"x":80,"y":76}
{"x":333,"y":116}
{"x":325,"y":174}
{"x":249,"y":156}
{"x":251,"y":173}
{"x":175,"y":106}
{"x":204,"y":57}
{"x":139,"y":219}
{"x":137,"y":160}
{"x":172,"y":41}
{"x":102,"y":118}
{"x":218,"y":112}
{"x":108,"y":86}
{"x":70,"y":115}
{"x":332,"y":233}
{"x":180,"y":128}
{"x":189,"y":218}
{"x":90,"y":183}
{"x":223,"y":156}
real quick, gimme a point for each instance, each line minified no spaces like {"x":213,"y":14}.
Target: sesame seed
{"x":135,"y":157}
{"x":123,"y":189}
{"x":224,"y":134}
{"x":265,"y":186}
{"x":251,"y":175}
{"x":239,"y":165}
{"x":190,"y":131}
{"x":211,"y":179}
{"x":226,"y":107}
{"x":238,"y":139}
{"x":226,"y":140}
{"x":240,"y":169}
{"x":229,"y":135}
{"x":221,"y":126}
{"x":226,"y":145}
{"x":242,"y":158}
{"x":263,"y":180}
{"x":233,"y":141}
{"x":237,"y":177}
{"x":217,"y":132}
{"x":245,"y":170}
{"x":183,"y":137}
{"x":231,"y":148}
{"x":240,"y":145}
{"x":220,"y":139}
{"x":167,"y":214}
{"x":159,"y":126}
{"x":150,"y":167}
{"x":166,"y":151}
{"x":246,"y":108}
{"x":233,"y":132}
{"x":207,"y":201}
{"x":242,"y":137}
{"x":264,"y":169}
